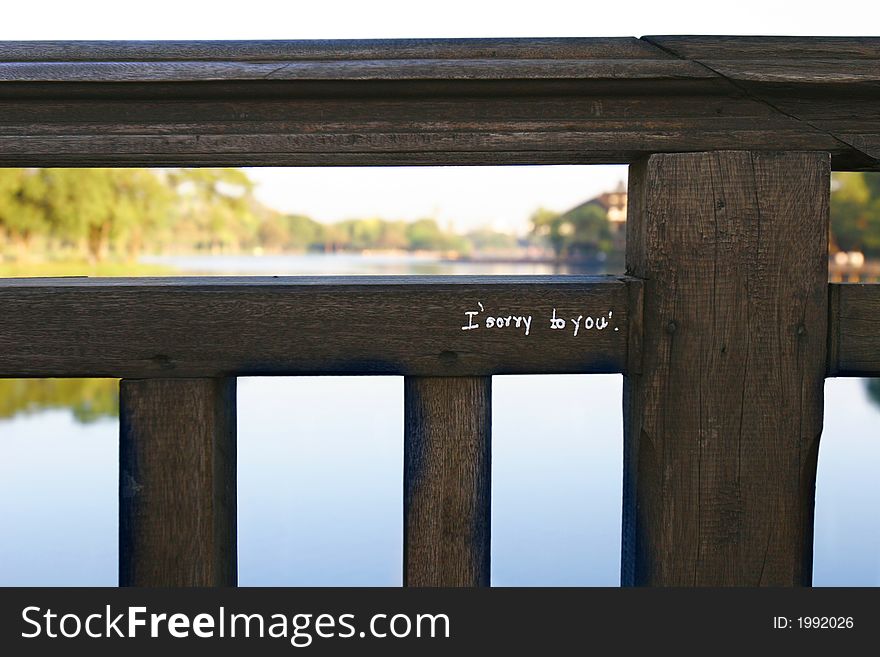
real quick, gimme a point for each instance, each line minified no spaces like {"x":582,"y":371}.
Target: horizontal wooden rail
{"x":486,"y":101}
{"x":210,"y":327}
{"x":215,"y":326}
{"x":854,"y":329}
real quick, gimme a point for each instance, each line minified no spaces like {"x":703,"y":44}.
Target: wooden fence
{"x":725,"y":326}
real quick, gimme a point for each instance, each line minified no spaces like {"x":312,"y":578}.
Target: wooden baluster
{"x":177,"y":511}
{"x":447,"y":481}
{"x":722,"y":424}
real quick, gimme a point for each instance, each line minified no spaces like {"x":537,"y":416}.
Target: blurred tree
{"x":361,"y":233}
{"x":487,"y":239}
{"x":855,"y":212}
{"x":393,"y":236}
{"x":426,"y":235}
{"x":99,"y":207}
{"x":273,"y":233}
{"x":22,"y":207}
{"x":546,"y":225}
{"x":305,"y":232}
{"x":583,"y":230}
{"x":334,"y":237}
{"x":219,"y":204}
{"x":81,"y":206}
{"x":592,"y":230}
{"x":144,"y":205}
{"x":99,"y":212}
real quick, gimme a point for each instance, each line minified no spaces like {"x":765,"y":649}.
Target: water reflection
{"x":334,"y":479}
{"x":872,"y":387}
{"x":88,"y":400}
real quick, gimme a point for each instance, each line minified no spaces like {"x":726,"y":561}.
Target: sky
{"x":467,"y":197}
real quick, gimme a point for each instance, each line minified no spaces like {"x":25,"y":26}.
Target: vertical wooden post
{"x":722,"y":425}
{"x":177,"y":511}
{"x":447,"y":481}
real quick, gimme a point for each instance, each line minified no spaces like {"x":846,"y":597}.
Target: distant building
{"x":614,"y":205}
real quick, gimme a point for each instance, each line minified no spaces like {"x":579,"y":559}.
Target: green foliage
{"x":486,"y":239}
{"x":82,"y":206}
{"x":88,"y":399}
{"x":22,"y":205}
{"x":273,"y":233}
{"x":102,"y":215}
{"x":144,"y":206}
{"x":592,"y":231}
{"x":425,"y":235}
{"x":217,"y":208}
{"x":855,"y":213}
{"x":93,"y":209}
{"x":358,"y":234}
{"x":374,"y":234}
{"x":584,"y":230}
{"x":547,"y":226}
{"x":393,"y":236}
{"x":304,"y":232}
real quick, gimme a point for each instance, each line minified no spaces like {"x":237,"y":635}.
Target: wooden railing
{"x":724,"y":328}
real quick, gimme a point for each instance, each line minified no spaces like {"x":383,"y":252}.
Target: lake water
{"x":320,"y":473}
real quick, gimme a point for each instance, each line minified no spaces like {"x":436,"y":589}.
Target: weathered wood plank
{"x":854,"y":335}
{"x":799,"y":71}
{"x":831,"y":84}
{"x":722,"y":426}
{"x":84,"y":110}
{"x":177,"y":502}
{"x":434,"y":102}
{"x":333,"y":49}
{"x":447,"y":466}
{"x":204,"y":327}
{"x":583,"y":123}
{"x":768,"y":48}
{"x":361,"y":69}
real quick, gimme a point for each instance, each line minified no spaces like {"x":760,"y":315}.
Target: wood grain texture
{"x":205,"y":327}
{"x":831,"y":84}
{"x":434,"y":102}
{"x":361,"y":69}
{"x":177,"y":482}
{"x":722,"y":426}
{"x":854,"y":335}
{"x":757,"y":48}
{"x":330,"y":49}
{"x":447,"y":466}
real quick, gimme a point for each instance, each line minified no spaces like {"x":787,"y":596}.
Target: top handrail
{"x":327,"y":49}
{"x":446,"y":101}
{"x":797,"y":60}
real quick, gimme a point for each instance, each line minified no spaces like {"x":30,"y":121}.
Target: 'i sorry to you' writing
{"x":481,"y":318}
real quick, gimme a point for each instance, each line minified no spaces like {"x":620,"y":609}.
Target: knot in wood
{"x":448,"y":357}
